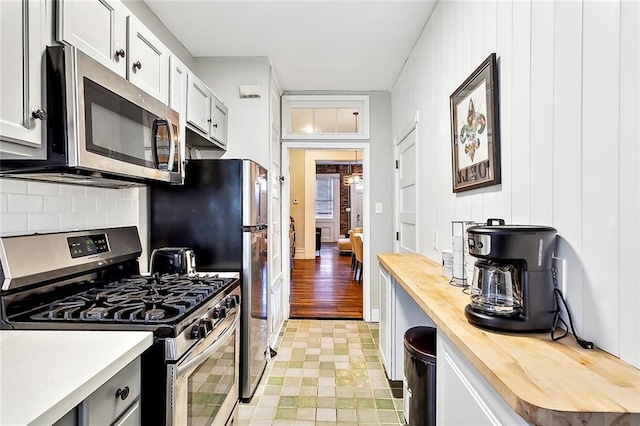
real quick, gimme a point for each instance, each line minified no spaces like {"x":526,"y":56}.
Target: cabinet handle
{"x":137,"y":65}
{"x":215,"y":125}
{"x":209,"y":121}
{"x":39,"y":114}
{"x":122,"y":393}
{"x":120,"y":53}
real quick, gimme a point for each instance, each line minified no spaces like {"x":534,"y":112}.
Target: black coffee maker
{"x":512,"y":285}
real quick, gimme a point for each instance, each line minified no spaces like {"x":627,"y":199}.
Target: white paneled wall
{"x":28,"y":207}
{"x":568,"y":85}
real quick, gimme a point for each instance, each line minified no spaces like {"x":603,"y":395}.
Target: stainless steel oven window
{"x":206,"y":383}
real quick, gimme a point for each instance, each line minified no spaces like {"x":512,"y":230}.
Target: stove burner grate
{"x":136,"y":299}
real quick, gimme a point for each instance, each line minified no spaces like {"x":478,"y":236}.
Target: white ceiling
{"x":312,"y":44}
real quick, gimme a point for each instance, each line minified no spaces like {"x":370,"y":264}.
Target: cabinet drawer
{"x":103,"y":406}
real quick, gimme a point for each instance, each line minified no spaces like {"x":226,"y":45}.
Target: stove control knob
{"x":230,"y":302}
{"x":223,"y":312}
{"x":201,"y":329}
{"x":236,"y":298}
{"x":215,"y":314}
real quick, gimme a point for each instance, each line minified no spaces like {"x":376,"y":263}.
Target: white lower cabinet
{"x":117,"y":402}
{"x":398,"y":313}
{"x":463,"y":396}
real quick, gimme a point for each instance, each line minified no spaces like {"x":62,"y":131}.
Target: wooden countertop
{"x":545,"y":382}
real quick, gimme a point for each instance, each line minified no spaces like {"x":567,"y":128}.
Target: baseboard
{"x":375,"y":315}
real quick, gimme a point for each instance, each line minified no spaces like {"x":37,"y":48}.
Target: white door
{"x":356,"y":206}
{"x":406,"y":195}
{"x":20,"y":75}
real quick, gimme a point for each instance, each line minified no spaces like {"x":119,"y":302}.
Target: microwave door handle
{"x":154,"y":141}
{"x":172,"y":147}
{"x":188,"y":367}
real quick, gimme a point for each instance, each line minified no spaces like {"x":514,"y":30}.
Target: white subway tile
{"x":58,"y":205}
{"x":13,"y":186}
{"x":72,"y":221}
{"x":21,"y":203}
{"x":96,"y":220}
{"x":124,"y":206}
{"x":84,"y":205}
{"x":117,"y":193}
{"x":43,"y":222}
{"x":131,"y":218}
{"x":11,"y":224}
{"x":106,"y":205}
{"x":4,"y":203}
{"x":75,"y":191}
{"x":96,"y":192}
{"x":115,"y":219}
{"x":43,"y":188}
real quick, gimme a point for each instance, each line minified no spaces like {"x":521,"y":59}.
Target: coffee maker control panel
{"x":479,"y":244}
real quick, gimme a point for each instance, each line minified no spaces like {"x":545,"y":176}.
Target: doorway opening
{"x":319,"y":200}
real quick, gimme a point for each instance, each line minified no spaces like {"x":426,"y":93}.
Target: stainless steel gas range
{"x":90,"y":280}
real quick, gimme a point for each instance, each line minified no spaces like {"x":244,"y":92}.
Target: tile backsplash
{"x":29,"y":206}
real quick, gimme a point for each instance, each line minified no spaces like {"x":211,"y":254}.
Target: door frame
{"x":286,"y":200}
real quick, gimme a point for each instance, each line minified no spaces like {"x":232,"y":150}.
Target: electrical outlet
{"x":561,"y":267}
{"x":435,"y":240}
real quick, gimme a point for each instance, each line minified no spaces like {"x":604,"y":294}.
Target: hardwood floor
{"x":324,"y":287}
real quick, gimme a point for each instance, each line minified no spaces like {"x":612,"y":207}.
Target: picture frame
{"x":475,"y":129}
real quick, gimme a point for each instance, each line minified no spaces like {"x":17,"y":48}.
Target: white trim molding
{"x":315,"y":102}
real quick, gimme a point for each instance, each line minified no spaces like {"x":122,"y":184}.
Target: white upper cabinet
{"x":198,"y":104}
{"x":178,"y":84}
{"x":108,"y":32}
{"x":148,"y":63}
{"x":206,"y":115}
{"x":218,"y":121}
{"x":21,"y":105}
{"x":98,"y":28}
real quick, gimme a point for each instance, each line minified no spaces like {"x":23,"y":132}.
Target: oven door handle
{"x":186,"y":368}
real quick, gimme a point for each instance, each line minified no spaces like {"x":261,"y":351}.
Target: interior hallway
{"x":324,"y":287}
{"x":326,"y":373}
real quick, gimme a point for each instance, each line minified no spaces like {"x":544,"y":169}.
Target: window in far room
{"x":324,"y":197}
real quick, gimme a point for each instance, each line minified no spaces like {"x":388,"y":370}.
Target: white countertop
{"x":45,"y":374}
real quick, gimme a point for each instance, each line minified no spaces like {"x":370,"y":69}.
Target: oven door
{"x":206,"y":381}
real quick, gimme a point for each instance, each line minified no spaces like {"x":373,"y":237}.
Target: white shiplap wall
{"x":27,"y":207}
{"x":569,"y":78}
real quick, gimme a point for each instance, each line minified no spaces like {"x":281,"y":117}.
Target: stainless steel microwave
{"x":101,"y":130}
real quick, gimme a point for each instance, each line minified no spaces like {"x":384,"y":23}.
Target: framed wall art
{"x":475,"y":131}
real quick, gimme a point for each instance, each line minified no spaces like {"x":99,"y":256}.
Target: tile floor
{"x":327,"y":372}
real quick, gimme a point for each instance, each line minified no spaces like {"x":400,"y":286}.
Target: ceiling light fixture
{"x":352,"y":178}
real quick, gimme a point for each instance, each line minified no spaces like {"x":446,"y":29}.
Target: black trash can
{"x":420,"y":371}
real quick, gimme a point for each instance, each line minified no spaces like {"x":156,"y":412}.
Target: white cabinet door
{"x":459,"y":384}
{"x":178,"y":95}
{"x":198,"y":104}
{"x":98,"y":28}
{"x":218,"y":123}
{"x":148,"y":61}
{"x":22,"y":47}
{"x":178,"y":86}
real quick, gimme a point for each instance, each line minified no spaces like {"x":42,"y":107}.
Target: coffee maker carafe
{"x":512,"y":285}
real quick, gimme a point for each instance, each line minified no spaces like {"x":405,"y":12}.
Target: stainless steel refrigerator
{"x":221,"y":213}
